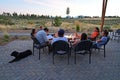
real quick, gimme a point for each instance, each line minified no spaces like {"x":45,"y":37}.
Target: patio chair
{"x":104,"y":47}
{"x":60,"y":48}
{"x":37,"y":45}
{"x":116,"y":35}
{"x":83,"y":48}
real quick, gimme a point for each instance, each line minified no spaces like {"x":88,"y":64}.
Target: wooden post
{"x":103,"y":13}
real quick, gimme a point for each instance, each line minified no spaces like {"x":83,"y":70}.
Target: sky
{"x":58,"y":7}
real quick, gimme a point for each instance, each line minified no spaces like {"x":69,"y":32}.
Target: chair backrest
{"x":60,"y":46}
{"x":118,"y":31}
{"x":108,"y":38}
{"x":83,"y":45}
{"x":35,"y":41}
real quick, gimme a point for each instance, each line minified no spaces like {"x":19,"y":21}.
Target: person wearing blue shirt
{"x":42,"y":36}
{"x":102,"y":40}
{"x":60,"y":36}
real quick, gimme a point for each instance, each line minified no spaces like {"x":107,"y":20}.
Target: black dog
{"x":20,"y":55}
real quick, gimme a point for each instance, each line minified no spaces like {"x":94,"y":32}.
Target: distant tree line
{"x":9,"y":18}
{"x":34,"y":16}
{"x":23,"y":16}
{"x":98,"y":17}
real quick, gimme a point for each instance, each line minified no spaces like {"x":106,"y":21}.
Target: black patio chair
{"x":37,"y":45}
{"x":104,"y":46}
{"x":83,"y":47}
{"x":116,"y":35}
{"x":60,"y":48}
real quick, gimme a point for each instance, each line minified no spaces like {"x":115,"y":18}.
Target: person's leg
{"x":94,"y":45}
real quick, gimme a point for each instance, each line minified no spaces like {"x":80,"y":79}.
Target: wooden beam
{"x":103,"y":13}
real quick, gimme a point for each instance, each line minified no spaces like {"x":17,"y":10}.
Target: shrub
{"x":57,"y":21}
{"x":6,"y":36}
{"x":107,"y":28}
{"x":77,"y":28}
{"x":43,"y":23}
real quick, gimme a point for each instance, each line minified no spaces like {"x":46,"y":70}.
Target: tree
{"x":77,"y":28}
{"x":68,"y":12}
{"x":15,"y":14}
{"x":6,"y":14}
{"x":57,"y":21}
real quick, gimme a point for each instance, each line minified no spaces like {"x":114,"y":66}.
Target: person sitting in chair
{"x":33,"y":33}
{"x":102,"y":40}
{"x":60,"y":36}
{"x":83,"y":37}
{"x":41,"y":36}
{"x":94,"y":34}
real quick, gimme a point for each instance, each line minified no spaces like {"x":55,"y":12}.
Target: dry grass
{"x":26,"y":26}
{"x":4,"y":40}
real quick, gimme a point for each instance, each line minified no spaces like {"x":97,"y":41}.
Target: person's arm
{"x":99,"y":40}
{"x":102,"y":39}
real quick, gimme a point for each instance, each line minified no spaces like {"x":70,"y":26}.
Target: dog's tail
{"x":11,"y":61}
{"x":14,"y":60}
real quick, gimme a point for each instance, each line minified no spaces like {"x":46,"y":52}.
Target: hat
{"x":61,"y":32}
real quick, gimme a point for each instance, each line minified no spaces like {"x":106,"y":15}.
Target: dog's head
{"x":14,"y":53}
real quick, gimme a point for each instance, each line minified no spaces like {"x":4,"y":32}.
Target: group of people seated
{"x":41,"y":36}
{"x":97,"y":43}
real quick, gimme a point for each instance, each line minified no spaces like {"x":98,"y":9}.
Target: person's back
{"x":42,"y":36}
{"x":60,"y":36}
{"x":82,"y":38}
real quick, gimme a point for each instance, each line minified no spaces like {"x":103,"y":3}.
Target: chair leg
{"x":98,"y":50}
{"x":90,"y":57}
{"x":43,"y":49}
{"x":49,"y":49}
{"x":70,"y":50}
{"x":118,"y":38}
{"x":39,"y":54}
{"x":104,"y":52}
{"x":53,"y":58}
{"x":75,"y":58}
{"x":33,"y":49}
{"x":68,"y":58}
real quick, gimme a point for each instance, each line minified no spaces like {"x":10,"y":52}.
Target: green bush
{"x":77,"y":28}
{"x":6,"y":21}
{"x":107,"y":28}
{"x":43,"y":23}
{"x":57,"y":21}
{"x":6,"y":36}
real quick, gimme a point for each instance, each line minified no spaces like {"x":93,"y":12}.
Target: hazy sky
{"x":58,"y":7}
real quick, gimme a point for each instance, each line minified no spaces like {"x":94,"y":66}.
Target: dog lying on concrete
{"x":20,"y":55}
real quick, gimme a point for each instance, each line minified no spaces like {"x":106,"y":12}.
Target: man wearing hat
{"x":60,"y":36}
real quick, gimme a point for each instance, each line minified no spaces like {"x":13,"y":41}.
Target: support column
{"x":103,"y":13}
